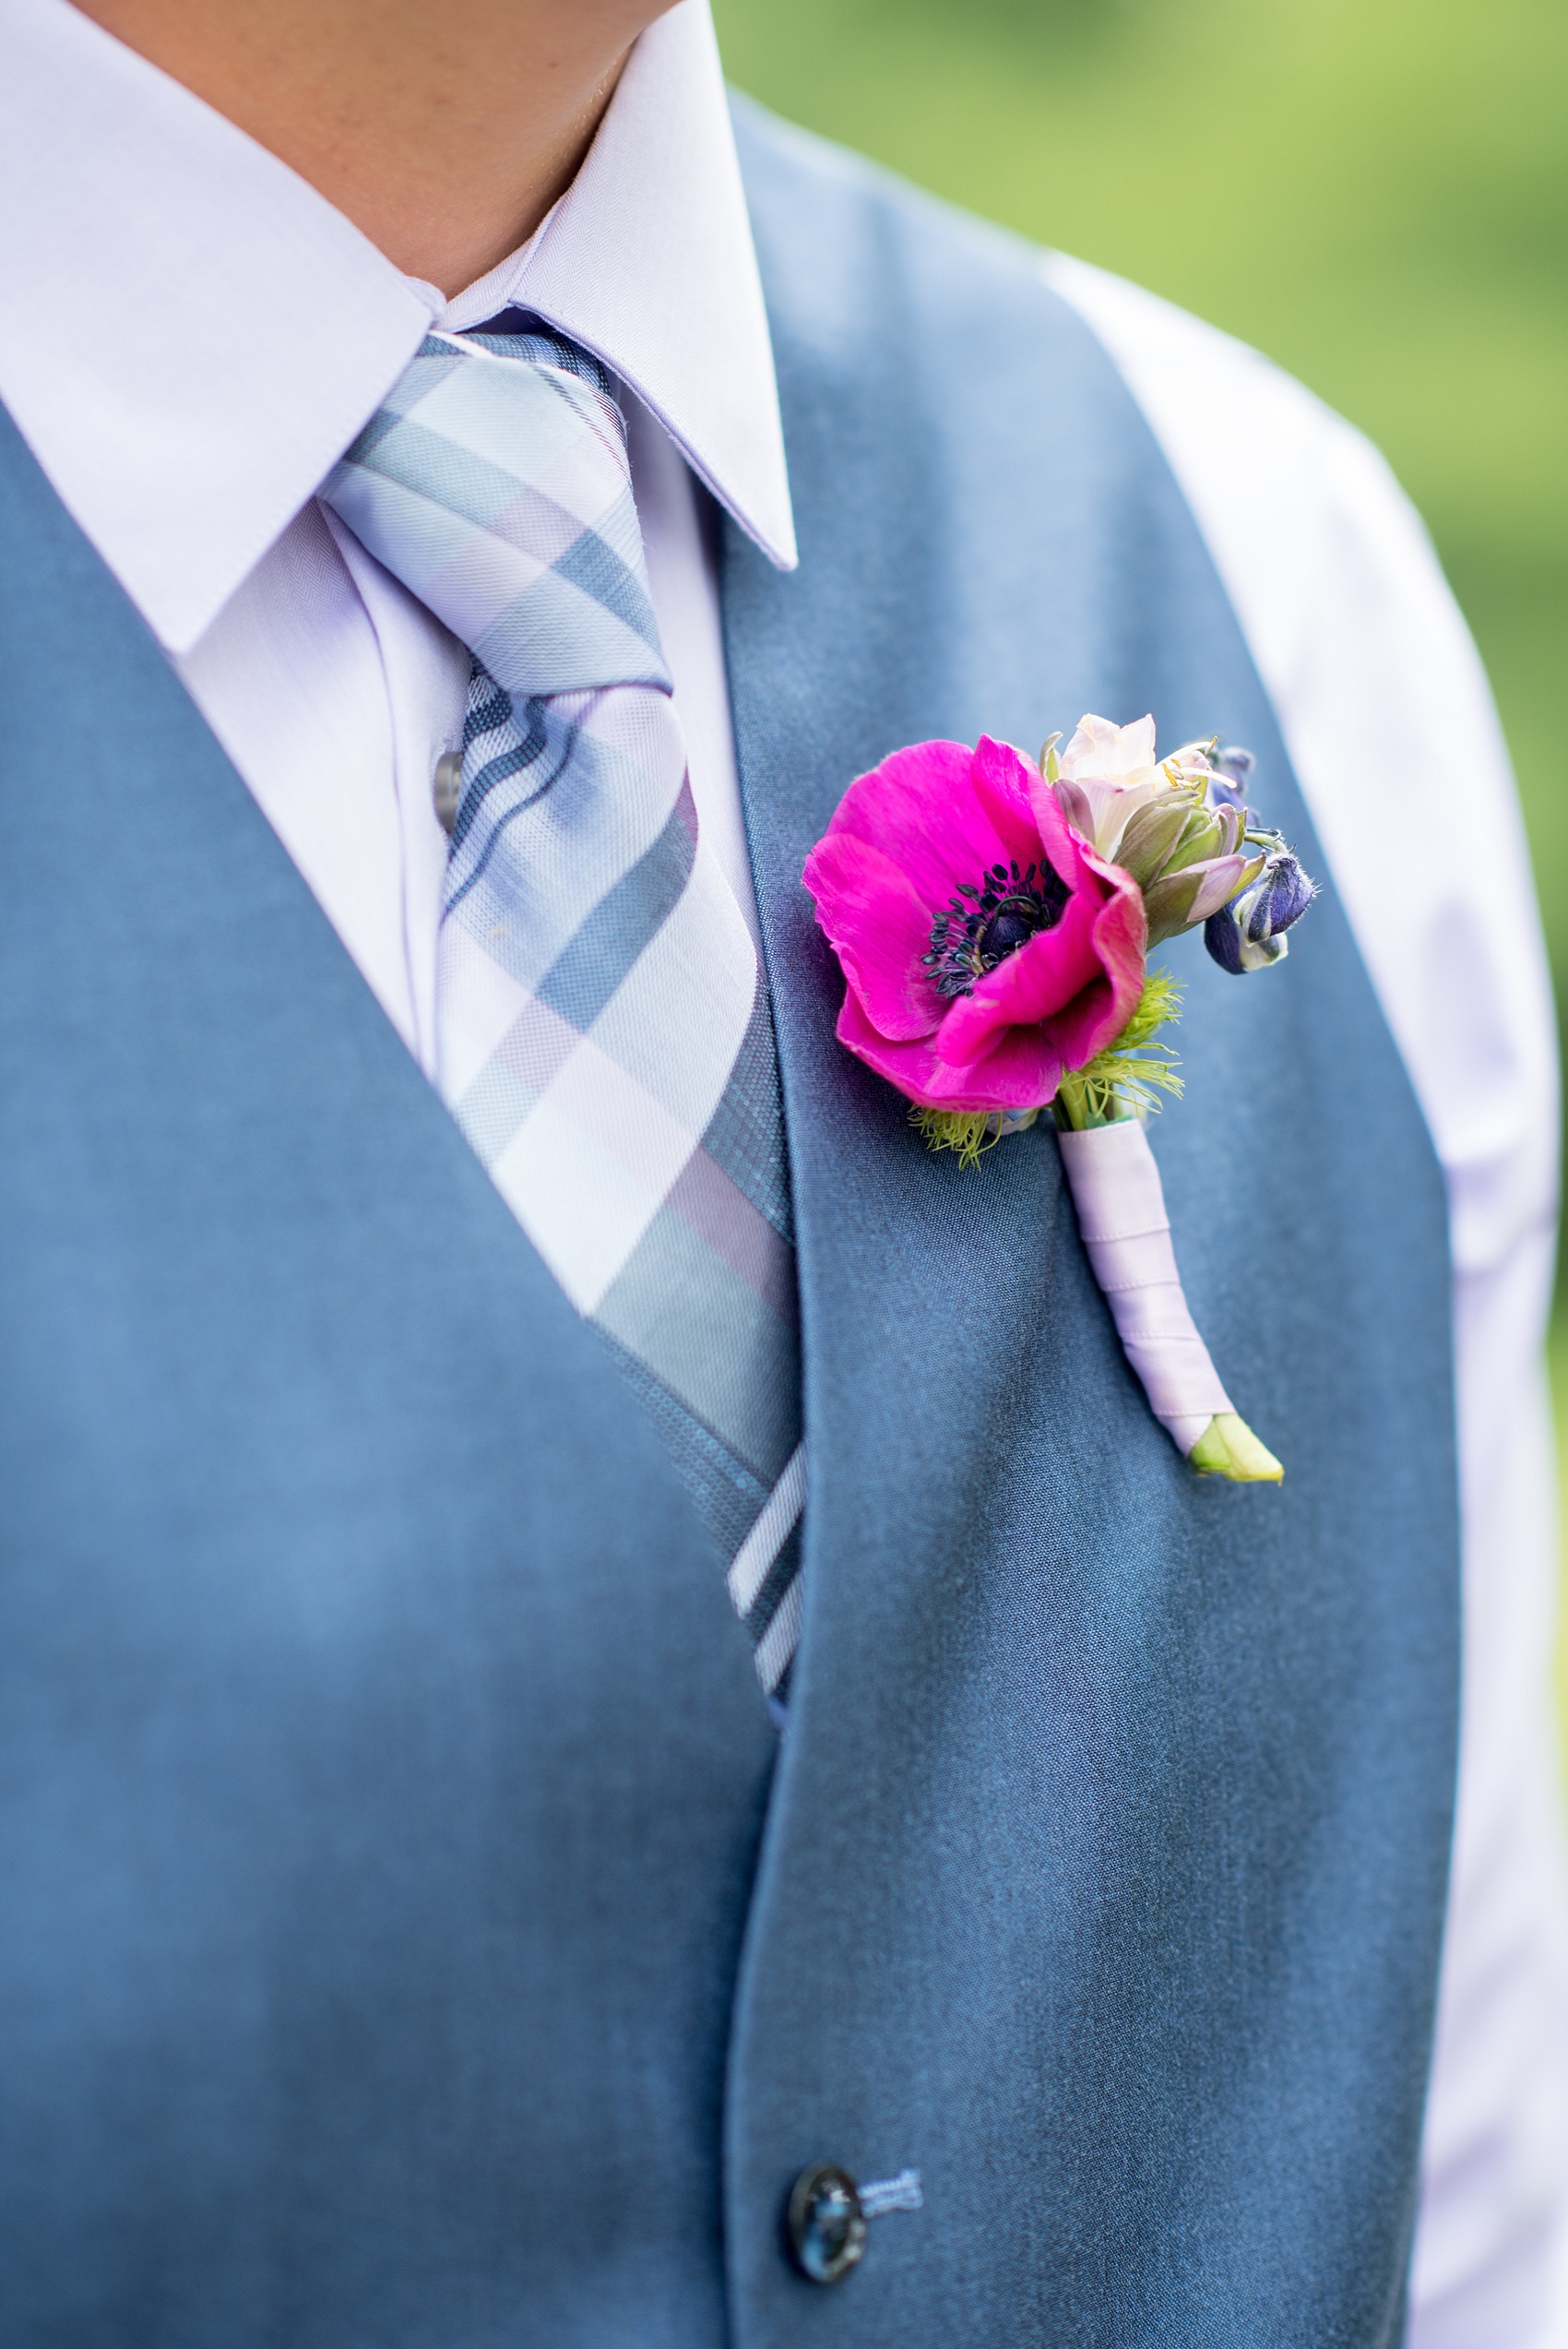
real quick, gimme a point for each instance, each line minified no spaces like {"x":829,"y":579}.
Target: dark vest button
{"x":824,"y":2223}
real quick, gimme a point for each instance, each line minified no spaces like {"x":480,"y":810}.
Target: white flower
{"x":1108,"y":773}
{"x":1107,"y":754}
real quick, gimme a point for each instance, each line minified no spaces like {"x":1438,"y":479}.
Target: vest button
{"x":447,"y":788}
{"x":824,"y":2223}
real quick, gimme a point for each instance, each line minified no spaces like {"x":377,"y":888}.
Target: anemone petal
{"x":920,"y":809}
{"x":879,"y":929}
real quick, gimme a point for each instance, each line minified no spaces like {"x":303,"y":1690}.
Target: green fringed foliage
{"x":1118,"y":1082}
{"x":950,"y":1129}
{"x":1123,"y":1079}
{"x":968,"y":1135}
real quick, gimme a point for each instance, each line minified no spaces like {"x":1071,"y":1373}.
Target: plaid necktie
{"x":603,"y":1032}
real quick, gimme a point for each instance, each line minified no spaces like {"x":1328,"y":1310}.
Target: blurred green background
{"x":1375,"y":192}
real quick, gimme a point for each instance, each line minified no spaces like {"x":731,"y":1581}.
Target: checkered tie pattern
{"x":604,"y":1039}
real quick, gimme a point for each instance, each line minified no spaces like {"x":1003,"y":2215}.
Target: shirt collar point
{"x":760,"y":508}
{"x":779,"y":546}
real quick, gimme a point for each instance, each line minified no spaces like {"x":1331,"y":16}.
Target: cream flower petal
{"x":1110,"y":754}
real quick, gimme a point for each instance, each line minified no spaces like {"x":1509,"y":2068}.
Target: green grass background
{"x":1375,"y":192}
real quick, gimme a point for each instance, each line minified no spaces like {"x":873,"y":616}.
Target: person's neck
{"x":444,"y":129}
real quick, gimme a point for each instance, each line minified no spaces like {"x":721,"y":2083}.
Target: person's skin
{"x":444,"y":129}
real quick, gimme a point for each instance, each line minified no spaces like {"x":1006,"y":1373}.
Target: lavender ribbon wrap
{"x":1116,"y":1190}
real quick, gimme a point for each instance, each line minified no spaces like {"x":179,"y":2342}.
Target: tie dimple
{"x":603,"y":1033}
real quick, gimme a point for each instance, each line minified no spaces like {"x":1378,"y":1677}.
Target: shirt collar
{"x":648,"y":260}
{"x":190,"y":336}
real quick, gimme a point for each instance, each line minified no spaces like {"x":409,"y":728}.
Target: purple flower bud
{"x":1249,"y":933}
{"x":1290,"y":892}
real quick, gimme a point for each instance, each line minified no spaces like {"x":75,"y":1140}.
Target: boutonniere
{"x":994,"y":919}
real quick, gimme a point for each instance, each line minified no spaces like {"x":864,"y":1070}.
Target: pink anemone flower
{"x":987,"y":947}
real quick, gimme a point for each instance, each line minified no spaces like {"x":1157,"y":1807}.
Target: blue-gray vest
{"x":409,"y":1933}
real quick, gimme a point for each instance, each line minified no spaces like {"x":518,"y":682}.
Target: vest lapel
{"x":927,"y":1289}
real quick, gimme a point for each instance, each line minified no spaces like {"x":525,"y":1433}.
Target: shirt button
{"x":824,"y":2223}
{"x":447,"y":788}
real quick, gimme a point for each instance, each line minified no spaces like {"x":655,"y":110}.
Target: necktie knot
{"x":493,"y":482}
{"x":519,"y":334}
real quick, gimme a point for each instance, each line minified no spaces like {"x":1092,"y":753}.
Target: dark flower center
{"x":990,"y":919}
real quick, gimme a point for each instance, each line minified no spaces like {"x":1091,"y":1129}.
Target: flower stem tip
{"x":1227,"y":1448}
